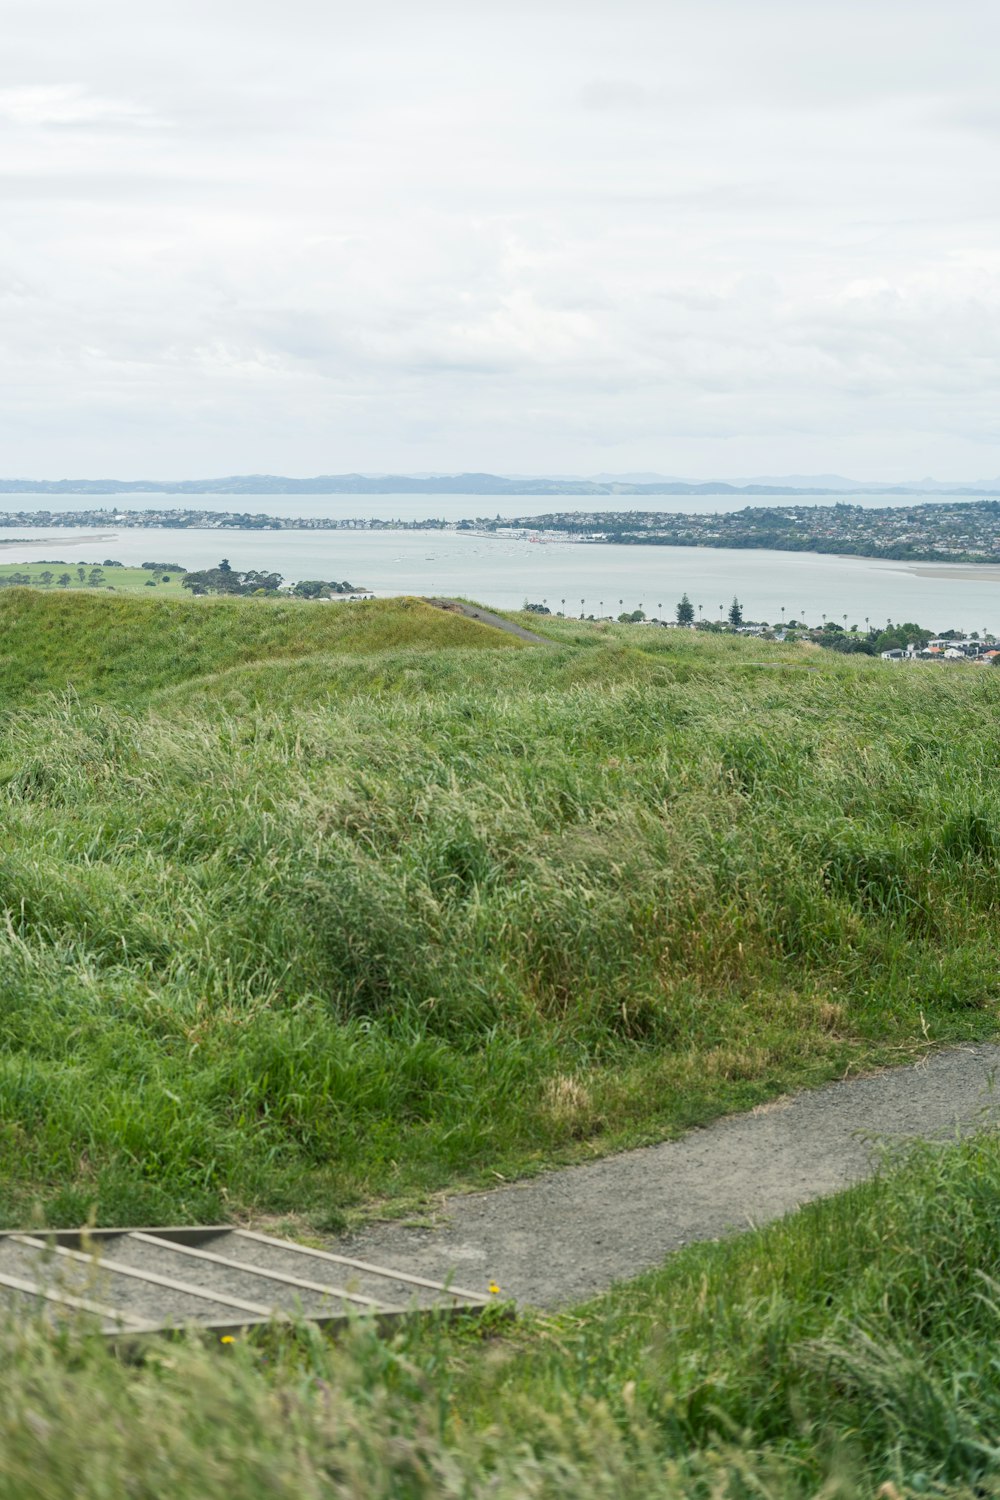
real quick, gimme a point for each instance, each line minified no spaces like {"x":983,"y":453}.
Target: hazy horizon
{"x":832,"y":483}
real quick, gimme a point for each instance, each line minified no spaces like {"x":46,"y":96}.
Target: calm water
{"x":506,"y":573}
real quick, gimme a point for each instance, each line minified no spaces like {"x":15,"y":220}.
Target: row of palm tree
{"x":641,"y":608}
{"x":684,"y":612}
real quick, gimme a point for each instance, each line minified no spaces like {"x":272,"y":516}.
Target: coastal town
{"x":939,"y":531}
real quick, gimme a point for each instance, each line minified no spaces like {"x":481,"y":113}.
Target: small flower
{"x":227,"y":1338}
{"x":494,"y":1289}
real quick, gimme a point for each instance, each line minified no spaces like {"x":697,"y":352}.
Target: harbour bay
{"x":592,"y":578}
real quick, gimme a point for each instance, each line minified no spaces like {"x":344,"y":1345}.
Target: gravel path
{"x":568,"y":1234}
{"x":487,"y":617}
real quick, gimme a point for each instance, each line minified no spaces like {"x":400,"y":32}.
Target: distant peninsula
{"x":966,"y":531}
{"x":457,"y":484}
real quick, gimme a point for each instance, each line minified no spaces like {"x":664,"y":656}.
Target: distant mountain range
{"x":489,"y":484}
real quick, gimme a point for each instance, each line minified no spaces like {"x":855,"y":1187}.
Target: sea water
{"x":571,"y":577}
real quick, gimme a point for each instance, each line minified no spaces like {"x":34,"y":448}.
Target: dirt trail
{"x":487,"y":617}
{"x":568,"y":1234}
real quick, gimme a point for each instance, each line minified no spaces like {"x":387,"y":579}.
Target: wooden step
{"x":141,"y":1281}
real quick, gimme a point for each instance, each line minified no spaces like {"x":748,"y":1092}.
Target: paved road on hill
{"x":569,"y":1234}
{"x":487,"y":617}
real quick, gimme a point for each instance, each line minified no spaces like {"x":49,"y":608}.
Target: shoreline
{"x":983,"y":572}
{"x":75,"y":541}
{"x":979,"y":572}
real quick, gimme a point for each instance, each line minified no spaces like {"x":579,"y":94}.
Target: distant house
{"x":894,"y":655}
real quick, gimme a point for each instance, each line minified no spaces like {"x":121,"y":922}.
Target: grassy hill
{"x":305,"y":905}
{"x":123,"y":649}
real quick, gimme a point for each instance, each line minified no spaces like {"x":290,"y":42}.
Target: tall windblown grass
{"x":279,"y":935}
{"x":123,"y":648}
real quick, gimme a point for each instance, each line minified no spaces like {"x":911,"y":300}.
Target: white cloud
{"x":706,"y":237}
{"x":68,"y":105}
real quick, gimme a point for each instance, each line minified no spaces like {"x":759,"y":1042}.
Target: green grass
{"x":304,"y":906}
{"x":848,"y":1351}
{"x":46,"y":575}
{"x":123,"y":649}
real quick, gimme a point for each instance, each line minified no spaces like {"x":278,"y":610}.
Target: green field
{"x":306,"y":908}
{"x":73,"y":574}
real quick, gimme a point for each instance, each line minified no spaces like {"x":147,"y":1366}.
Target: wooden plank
{"x":384,"y":1319}
{"x":130,"y":1330}
{"x":81,"y":1304}
{"x":359,"y":1265}
{"x":78,"y":1239}
{"x":151,"y":1278}
{"x":250,"y":1270}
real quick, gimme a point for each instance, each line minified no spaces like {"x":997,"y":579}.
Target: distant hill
{"x":640,"y":477}
{"x":476,"y":484}
{"x":807,"y":482}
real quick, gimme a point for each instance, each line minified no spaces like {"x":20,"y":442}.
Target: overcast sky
{"x":703,"y":237}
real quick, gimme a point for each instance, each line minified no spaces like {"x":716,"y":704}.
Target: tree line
{"x":225,"y":579}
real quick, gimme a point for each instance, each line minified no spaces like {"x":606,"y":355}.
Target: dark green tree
{"x":321,"y":588}
{"x":685,"y":611}
{"x":735,"y":613}
{"x":226,"y":580}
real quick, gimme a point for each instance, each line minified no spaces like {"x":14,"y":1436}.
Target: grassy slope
{"x":122,"y":649}
{"x":846,"y":1352}
{"x":298,"y":915}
